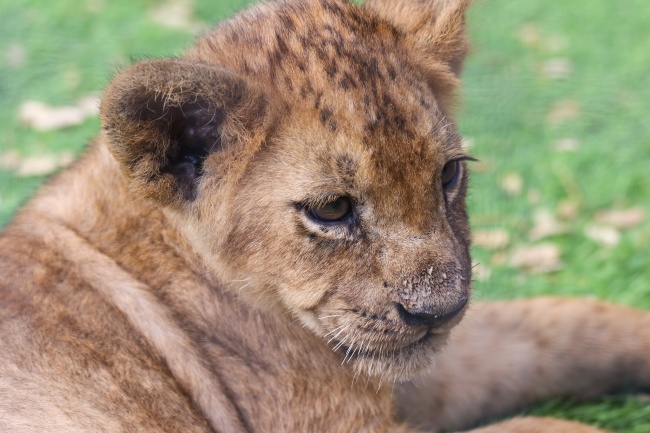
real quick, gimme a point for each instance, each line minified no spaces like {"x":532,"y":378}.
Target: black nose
{"x":430,"y":317}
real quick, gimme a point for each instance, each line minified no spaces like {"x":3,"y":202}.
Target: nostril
{"x":415,"y":318}
{"x":429,"y":317}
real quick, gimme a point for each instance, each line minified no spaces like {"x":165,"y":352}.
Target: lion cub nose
{"x":432,"y":316}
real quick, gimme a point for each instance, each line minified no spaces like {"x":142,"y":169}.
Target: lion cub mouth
{"x":391,"y":360}
{"x":350,"y":352}
{"x":390,"y":344}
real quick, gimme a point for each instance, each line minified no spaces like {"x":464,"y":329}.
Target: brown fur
{"x":175,"y":277}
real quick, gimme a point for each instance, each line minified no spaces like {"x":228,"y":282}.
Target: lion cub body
{"x":186,"y":273}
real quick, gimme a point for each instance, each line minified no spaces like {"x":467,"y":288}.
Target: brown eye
{"x":449,"y":174}
{"x":333,"y":211}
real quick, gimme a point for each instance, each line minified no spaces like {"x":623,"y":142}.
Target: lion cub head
{"x":307,"y":151}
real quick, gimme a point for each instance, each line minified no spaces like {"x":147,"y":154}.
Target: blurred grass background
{"x":555,"y":107}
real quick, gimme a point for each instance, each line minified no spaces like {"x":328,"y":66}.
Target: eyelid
{"x":320,"y":200}
{"x":461,"y":158}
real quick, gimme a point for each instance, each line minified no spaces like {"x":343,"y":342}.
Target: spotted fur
{"x":177,"y":277}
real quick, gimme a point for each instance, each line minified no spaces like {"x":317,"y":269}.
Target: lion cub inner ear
{"x":164,"y":118}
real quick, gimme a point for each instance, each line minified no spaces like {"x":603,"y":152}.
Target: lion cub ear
{"x":435,"y":35}
{"x":164,"y":118}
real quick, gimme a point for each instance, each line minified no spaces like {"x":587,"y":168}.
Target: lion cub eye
{"x":449,"y":174}
{"x":333,"y":211}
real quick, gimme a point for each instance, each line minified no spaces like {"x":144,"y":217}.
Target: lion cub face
{"x":364,"y":239}
{"x":325,"y":178}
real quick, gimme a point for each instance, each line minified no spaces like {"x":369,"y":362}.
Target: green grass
{"x":507,"y":101}
{"x":59,"y":51}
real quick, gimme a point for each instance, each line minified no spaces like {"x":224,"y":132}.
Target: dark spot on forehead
{"x":325,"y":114}
{"x":400,"y":123}
{"x":306,"y":89}
{"x":287,"y":22}
{"x":346,"y":167}
{"x":391,"y":72}
{"x":282,"y":46}
{"x":347,"y":81}
{"x":372,"y":126}
{"x":387,"y":101}
{"x":288,"y":82}
{"x":327,"y":120}
{"x":331,"y":7}
{"x":331,"y":69}
{"x":373,"y":66}
{"x":304,"y":41}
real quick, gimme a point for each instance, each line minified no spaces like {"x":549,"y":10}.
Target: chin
{"x":397,"y":365}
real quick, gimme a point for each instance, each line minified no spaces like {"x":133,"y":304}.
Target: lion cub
{"x":269,"y":228}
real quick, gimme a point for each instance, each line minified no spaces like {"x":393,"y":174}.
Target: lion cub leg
{"x":536,"y":425}
{"x":506,"y":355}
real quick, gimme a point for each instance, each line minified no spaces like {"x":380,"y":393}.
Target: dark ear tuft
{"x":163,"y":119}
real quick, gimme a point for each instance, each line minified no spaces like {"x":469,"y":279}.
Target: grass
{"x":541,"y":73}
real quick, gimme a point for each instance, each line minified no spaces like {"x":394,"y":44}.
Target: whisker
{"x":381,"y":380}
{"x":372,"y":365}
{"x":334,"y":330}
{"x":347,"y":353}
{"x":355,"y":377}
{"x":340,"y":343}
{"x":331,"y":315}
{"x":338,"y":333}
{"x":358,"y":349}
{"x":244,"y":286}
{"x":239,"y":281}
